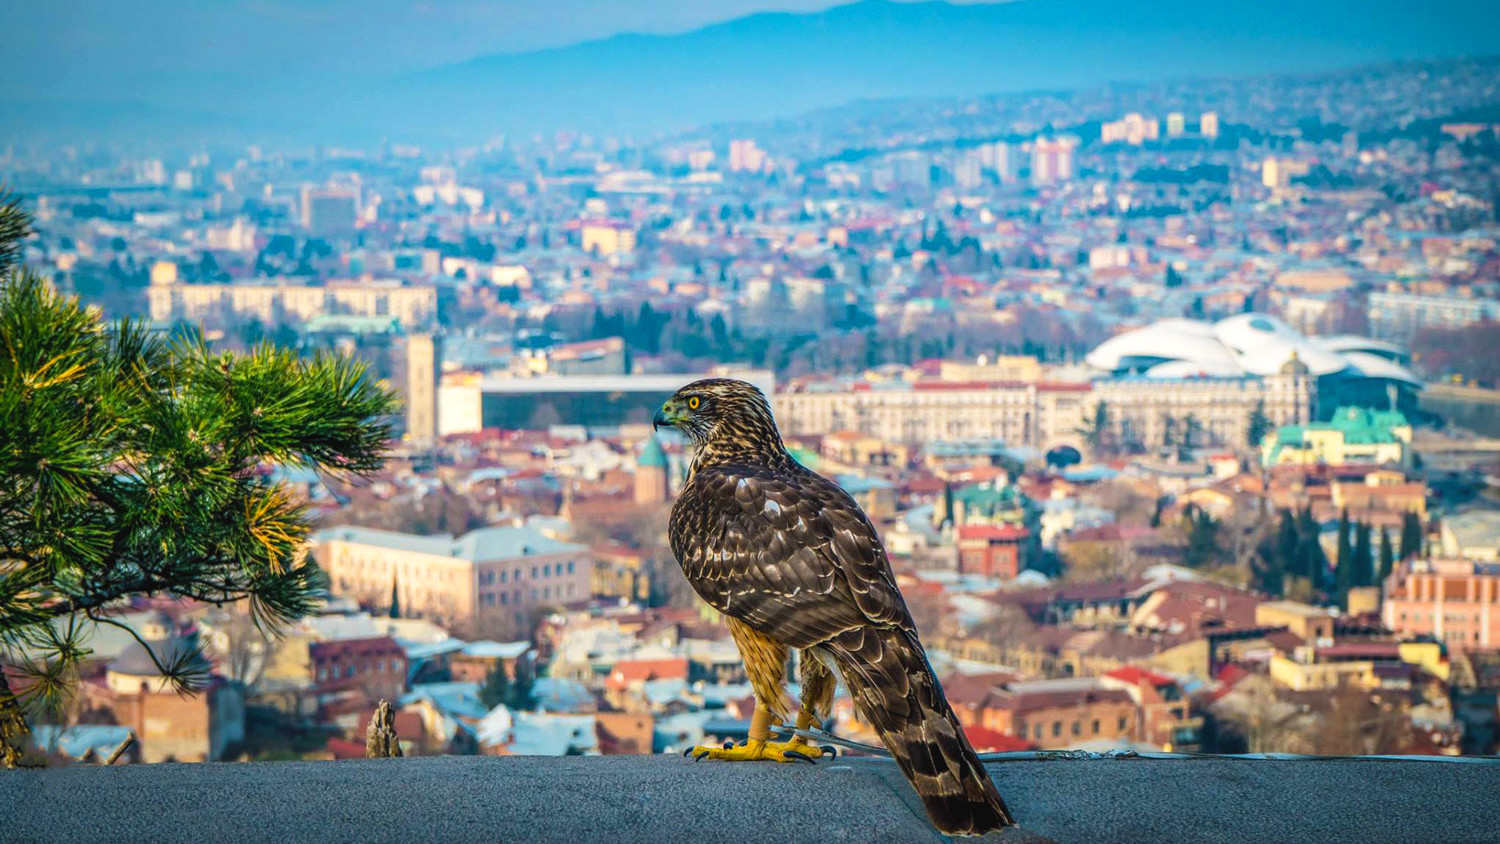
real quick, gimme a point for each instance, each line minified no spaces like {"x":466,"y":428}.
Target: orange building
{"x":1453,"y":601}
{"x":1061,"y":713}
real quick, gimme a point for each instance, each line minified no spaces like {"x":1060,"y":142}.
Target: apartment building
{"x":1454,"y":601}
{"x":486,"y":580}
{"x":279,"y":301}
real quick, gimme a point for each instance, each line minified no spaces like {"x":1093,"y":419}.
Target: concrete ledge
{"x":660,"y":799}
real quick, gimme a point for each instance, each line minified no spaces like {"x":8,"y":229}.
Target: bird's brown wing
{"x":788,"y":553}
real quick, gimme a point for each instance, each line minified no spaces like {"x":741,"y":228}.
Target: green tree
{"x":1191,"y":429}
{"x":1387,"y":556}
{"x":1313,"y":562}
{"x":129,"y":466}
{"x":1096,"y":428}
{"x":1411,"y":535}
{"x":1343,"y":563}
{"x":1345,"y":548}
{"x":1258,"y":426}
{"x":1203,"y":539}
{"x":496,"y":689}
{"x":521,"y":697}
{"x":395,"y":600}
{"x":1287,"y":541}
{"x":1364,"y":557}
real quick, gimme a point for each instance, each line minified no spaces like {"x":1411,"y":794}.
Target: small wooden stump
{"x":380,"y":740}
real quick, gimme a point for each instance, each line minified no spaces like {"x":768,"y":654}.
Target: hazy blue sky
{"x":51,"y":42}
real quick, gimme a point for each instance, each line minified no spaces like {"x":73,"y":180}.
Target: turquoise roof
{"x":1359,"y":425}
{"x":652,"y":455}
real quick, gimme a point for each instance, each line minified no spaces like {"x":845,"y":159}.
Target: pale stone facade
{"x":273,"y":301}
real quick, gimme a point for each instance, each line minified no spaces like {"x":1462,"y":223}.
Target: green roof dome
{"x":652,"y":455}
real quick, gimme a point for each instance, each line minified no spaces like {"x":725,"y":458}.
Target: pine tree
{"x":1364,"y":558}
{"x":1096,"y":431}
{"x":521,"y":697}
{"x":1203,"y":540}
{"x":1345,"y":551}
{"x":1411,"y":535}
{"x":1314,"y":564}
{"x":128,"y":466}
{"x":496,"y":689}
{"x":395,"y":600}
{"x":1286,"y":541}
{"x":1387,"y":556}
{"x":1258,"y":426}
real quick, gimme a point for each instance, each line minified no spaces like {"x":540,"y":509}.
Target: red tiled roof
{"x":629,"y":671}
{"x":1134,"y":675}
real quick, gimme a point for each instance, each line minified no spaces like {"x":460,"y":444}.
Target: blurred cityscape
{"x":1177,"y":406}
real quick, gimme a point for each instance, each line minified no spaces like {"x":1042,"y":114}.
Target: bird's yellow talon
{"x":795,"y":750}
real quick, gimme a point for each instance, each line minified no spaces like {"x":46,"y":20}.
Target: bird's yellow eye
{"x":693,"y":403}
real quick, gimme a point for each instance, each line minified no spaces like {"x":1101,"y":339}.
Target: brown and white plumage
{"x":790,"y":558}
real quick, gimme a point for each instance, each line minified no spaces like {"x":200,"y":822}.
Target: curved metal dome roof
{"x":1244,"y":344}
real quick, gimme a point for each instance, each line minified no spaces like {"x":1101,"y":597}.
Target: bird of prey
{"x":793,"y":563}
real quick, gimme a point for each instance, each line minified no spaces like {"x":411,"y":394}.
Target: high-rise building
{"x":1208,"y":124}
{"x":1278,"y":172}
{"x":967,"y":171}
{"x":1001,"y":158}
{"x":1135,"y":129}
{"x":745,"y":156}
{"x":330,"y":211}
{"x":608,"y":237}
{"x":423,"y":371}
{"x":1052,"y":160}
{"x":1176,"y":124}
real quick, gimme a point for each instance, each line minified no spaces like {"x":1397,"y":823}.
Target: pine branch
{"x":15,"y":225}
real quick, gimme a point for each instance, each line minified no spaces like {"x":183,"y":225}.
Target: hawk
{"x":793,"y":563}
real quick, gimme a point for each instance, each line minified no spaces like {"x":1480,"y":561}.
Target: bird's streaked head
{"x":721,"y":412}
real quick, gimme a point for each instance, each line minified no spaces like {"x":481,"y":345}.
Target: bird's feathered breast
{"x":784,"y":550}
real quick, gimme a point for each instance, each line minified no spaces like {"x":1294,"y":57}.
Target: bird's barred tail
{"x":896,"y":692}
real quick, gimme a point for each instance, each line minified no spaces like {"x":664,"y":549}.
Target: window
{"x":502,"y":577}
{"x":546,"y":591}
{"x":1056,"y":729}
{"x":1077,"y":729}
{"x":1122,"y":723}
{"x":1096,"y":726}
{"x":533,"y":572}
{"x":1037,"y":732}
{"x":570,"y":567}
{"x":547,"y":570}
{"x":503,"y":599}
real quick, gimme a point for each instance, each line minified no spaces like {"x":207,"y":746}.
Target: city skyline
{"x":1160,"y":368}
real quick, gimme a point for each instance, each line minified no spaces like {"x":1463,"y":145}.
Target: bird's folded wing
{"x":791,"y":555}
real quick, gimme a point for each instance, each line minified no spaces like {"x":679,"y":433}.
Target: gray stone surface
{"x":667,"y":799}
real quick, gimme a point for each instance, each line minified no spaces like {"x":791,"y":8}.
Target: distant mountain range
{"x":779,"y":64}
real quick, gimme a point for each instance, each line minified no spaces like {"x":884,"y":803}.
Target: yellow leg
{"x":759,"y":747}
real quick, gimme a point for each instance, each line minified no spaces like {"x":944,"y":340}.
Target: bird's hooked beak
{"x":668,"y":415}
